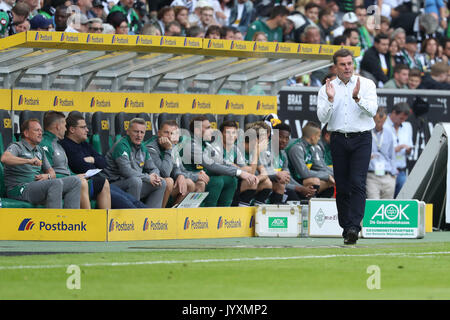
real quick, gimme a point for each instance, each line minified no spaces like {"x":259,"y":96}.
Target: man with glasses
{"x":95,"y":25}
{"x":82,"y":157}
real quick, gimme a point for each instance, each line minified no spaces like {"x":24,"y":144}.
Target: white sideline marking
{"x":120,"y":264}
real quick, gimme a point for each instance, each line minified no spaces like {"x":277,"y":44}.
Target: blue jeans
{"x":123,"y":200}
{"x":399,"y":182}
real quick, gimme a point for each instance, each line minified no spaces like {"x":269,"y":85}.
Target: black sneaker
{"x":351,"y":236}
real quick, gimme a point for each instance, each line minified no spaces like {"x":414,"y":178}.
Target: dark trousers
{"x":351,"y":157}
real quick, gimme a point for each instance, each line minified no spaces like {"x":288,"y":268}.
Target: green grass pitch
{"x":228,"y":269}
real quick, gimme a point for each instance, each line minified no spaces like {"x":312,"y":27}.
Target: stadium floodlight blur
{"x":135,"y":63}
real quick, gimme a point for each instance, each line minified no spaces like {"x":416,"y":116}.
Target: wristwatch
{"x":238,"y":172}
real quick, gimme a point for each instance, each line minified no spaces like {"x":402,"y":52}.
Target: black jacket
{"x":371,"y":63}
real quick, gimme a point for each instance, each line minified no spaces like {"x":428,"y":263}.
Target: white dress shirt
{"x":404,"y":135}
{"x":344,"y":114}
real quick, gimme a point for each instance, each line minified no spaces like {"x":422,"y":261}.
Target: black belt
{"x":351,"y":134}
{"x":401,"y":169}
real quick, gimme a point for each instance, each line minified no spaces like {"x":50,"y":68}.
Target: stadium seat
{"x":233,"y":117}
{"x":6,"y":133}
{"x":121,"y":122}
{"x":101,"y":139}
{"x":212,"y":119}
{"x":185,"y":120}
{"x":249,"y":118}
{"x":10,"y":203}
{"x":167,"y":116}
{"x":148,"y":120}
{"x":88,"y":119}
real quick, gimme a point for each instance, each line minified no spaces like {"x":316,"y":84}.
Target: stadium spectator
{"x":302,"y":156}
{"x":227,"y":33}
{"x":410,"y":53}
{"x":161,"y":149}
{"x":349,"y":21}
{"x":395,"y":54}
{"x":109,"y":29}
{"x":363,"y":24}
{"x":182,"y":16}
{"x":437,"y":78}
{"x":400,"y":79}
{"x":311,"y":34}
{"x":7,"y":5}
{"x":77,"y":22}
{"x":206,"y":18}
{"x":119,"y":22}
{"x":421,"y":25}
{"x":98,"y":10}
{"x":195,"y":32}
{"x":403,"y":143}
{"x":238,"y":35}
{"x":164,"y":17}
{"x":85,"y":7}
{"x":41,"y":23}
{"x":23,"y":27}
{"x":241,"y":15}
{"x":446,"y":49}
{"x":222,"y":11}
{"x":132,"y":18}
{"x":207,"y":155}
{"x":429,"y":54}
{"x":213,"y":32}
{"x":82,"y":157}
{"x":326,"y":22}
{"x":18,"y":14}
{"x":272,"y":27}
{"x":376,"y":63}
{"x":60,"y":18}
{"x":382,"y":169}
{"x":130,"y":167}
{"x":414,"y":78}
{"x":259,"y":36}
{"x":353,"y":35}
{"x":54,"y":130}
{"x":302,"y":20}
{"x":95,"y":25}
{"x":29,"y":176}
{"x":173,"y":29}
{"x":32,"y":4}
{"x":190,"y":5}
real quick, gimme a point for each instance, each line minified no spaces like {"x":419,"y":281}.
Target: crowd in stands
{"x":401,"y":41}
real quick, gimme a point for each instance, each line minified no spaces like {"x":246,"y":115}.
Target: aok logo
{"x":391,"y":212}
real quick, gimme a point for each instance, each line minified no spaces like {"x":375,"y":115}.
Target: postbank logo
{"x":229,"y":105}
{"x":119,"y":226}
{"x":155,"y":225}
{"x":197,"y":104}
{"x":26,"y":101}
{"x":57,"y":101}
{"x":119,"y":39}
{"x":43,"y":37}
{"x":199,"y":224}
{"x":228,"y":223}
{"x":131,"y":103}
{"x":144,"y":40}
{"x":94,"y":39}
{"x":165,"y":103}
{"x":28,"y":224}
{"x":100,"y":103}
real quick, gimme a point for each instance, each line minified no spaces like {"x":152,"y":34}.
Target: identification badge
{"x":379,"y":168}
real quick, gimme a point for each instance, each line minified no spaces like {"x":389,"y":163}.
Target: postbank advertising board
{"x":53,"y":225}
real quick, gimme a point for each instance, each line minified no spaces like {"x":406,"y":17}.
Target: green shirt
{"x":5,"y":23}
{"x":55,"y":154}
{"x":132,"y":16}
{"x":273,"y":35}
{"x":18,"y":176}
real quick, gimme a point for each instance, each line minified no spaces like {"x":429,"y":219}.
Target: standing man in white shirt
{"x":348,"y":104}
{"x":403,"y":140}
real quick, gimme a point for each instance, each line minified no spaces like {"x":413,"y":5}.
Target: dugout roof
{"x":153,"y":64}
